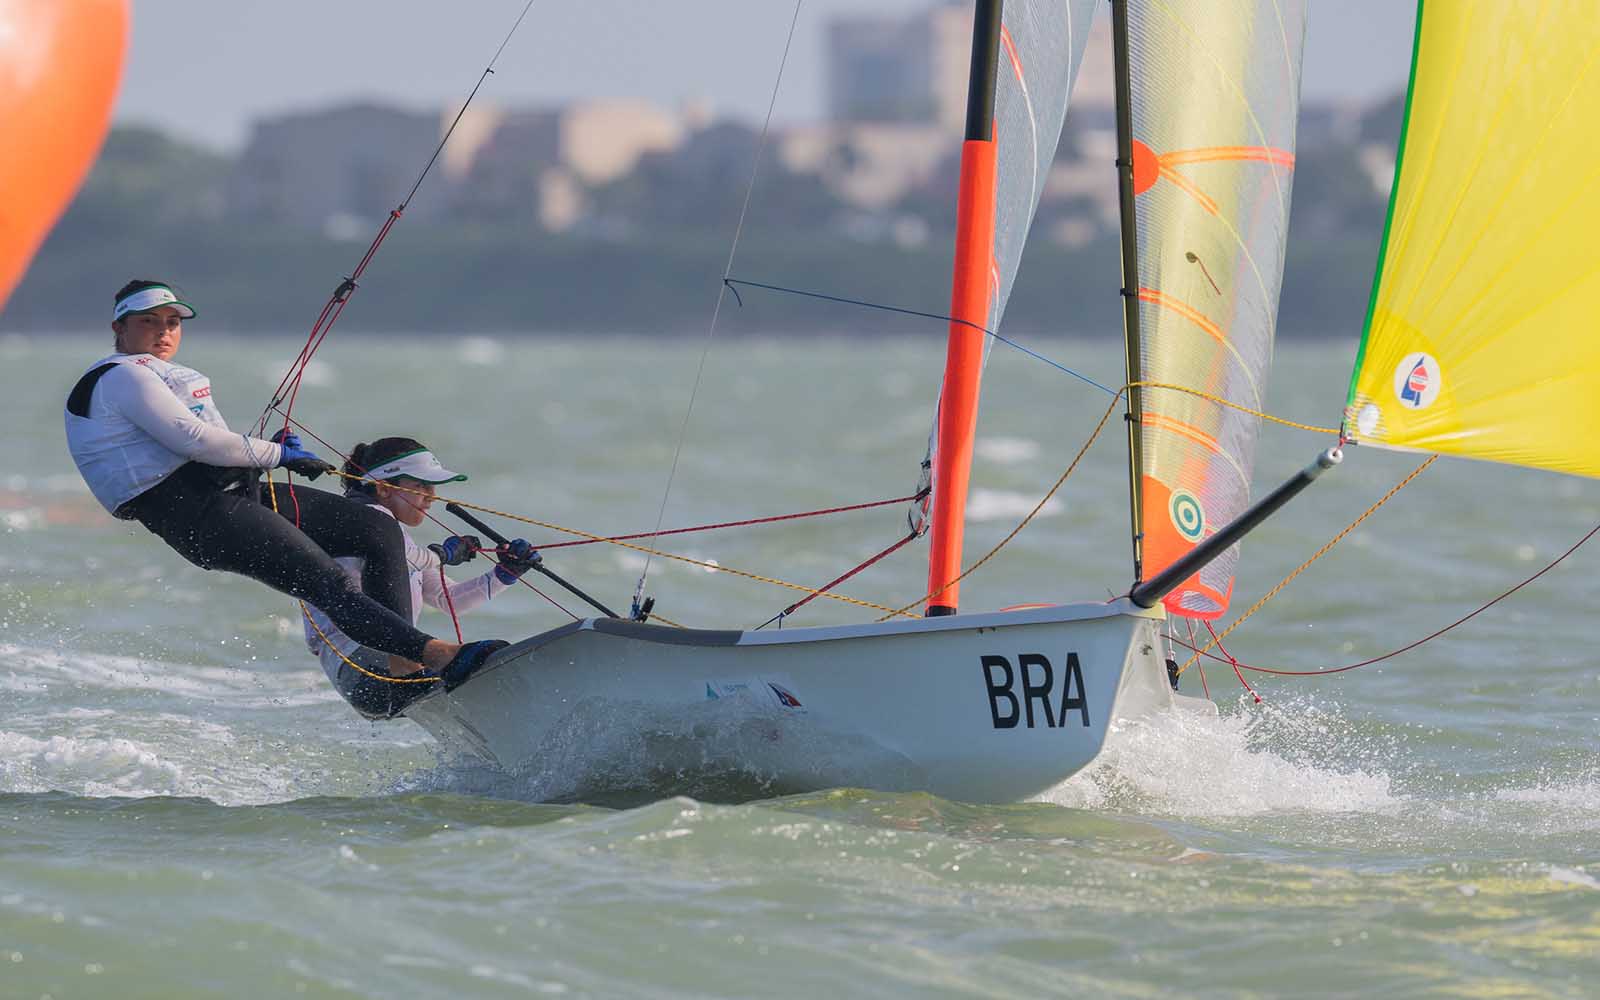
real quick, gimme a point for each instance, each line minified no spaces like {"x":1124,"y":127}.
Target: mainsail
{"x":1479,"y":337}
{"x":1041,"y":47}
{"x":1030,"y":64}
{"x":1215,"y":88}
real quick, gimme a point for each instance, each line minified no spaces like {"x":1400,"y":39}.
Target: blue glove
{"x":286,"y":437}
{"x":517,"y":559}
{"x":457,"y":549}
{"x":299,"y":461}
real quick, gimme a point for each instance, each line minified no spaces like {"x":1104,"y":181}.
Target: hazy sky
{"x":204,"y":68}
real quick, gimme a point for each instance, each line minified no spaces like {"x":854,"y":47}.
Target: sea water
{"x":186,"y":809}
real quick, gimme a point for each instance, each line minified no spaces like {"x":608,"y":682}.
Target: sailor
{"x":149,"y":440}
{"x":397,"y":477}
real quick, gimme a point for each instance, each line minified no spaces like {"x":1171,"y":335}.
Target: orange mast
{"x":971,"y":296}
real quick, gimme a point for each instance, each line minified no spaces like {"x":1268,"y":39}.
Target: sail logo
{"x":1186,"y":515}
{"x":1011,"y":706}
{"x":1417,"y":380}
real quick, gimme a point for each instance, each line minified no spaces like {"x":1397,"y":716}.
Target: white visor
{"x":419,"y":465}
{"x":146,"y":299}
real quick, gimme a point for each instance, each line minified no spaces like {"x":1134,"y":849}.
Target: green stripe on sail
{"x":1388,"y":219}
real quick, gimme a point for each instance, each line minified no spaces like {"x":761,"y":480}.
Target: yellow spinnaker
{"x":1483,"y":334}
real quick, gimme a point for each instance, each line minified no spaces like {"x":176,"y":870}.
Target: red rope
{"x":319,"y":334}
{"x":1235,"y":663}
{"x":1204,"y":687}
{"x":324,"y":323}
{"x":1411,"y":645}
{"x":840,"y":579}
{"x":734,"y":524}
{"x":444,"y":583}
{"x":289,"y":420}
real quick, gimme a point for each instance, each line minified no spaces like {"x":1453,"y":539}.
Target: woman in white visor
{"x":149,"y":440}
{"x":397,"y":477}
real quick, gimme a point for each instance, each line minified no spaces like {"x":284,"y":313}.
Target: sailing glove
{"x":457,"y":549}
{"x":299,"y":461}
{"x":516,"y":559}
{"x":285,"y":437}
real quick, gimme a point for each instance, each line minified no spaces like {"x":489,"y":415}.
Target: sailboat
{"x":996,"y":706}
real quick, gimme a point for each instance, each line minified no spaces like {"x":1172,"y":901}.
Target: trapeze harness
{"x":428,"y":586}
{"x":153,"y":448}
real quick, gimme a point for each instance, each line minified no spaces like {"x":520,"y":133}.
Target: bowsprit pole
{"x":290,"y":384}
{"x":1149,"y":592}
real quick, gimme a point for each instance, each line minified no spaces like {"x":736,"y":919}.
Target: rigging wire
{"x":447,"y":528}
{"x":1207,"y":654}
{"x":323,"y":325}
{"x":870,"y":561}
{"x":722,"y":294}
{"x":748,"y":522}
{"x":1335,"y":540}
{"x":901,"y":310}
{"x":331,"y":310}
{"x":1093,"y":437}
{"x":619,"y":540}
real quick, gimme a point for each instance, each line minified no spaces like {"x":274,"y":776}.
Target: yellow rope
{"x":1269,"y":595}
{"x":1220,"y":401}
{"x":904,"y":610}
{"x":665,"y":621}
{"x":1037,"y":507}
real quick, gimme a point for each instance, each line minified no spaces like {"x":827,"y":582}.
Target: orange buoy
{"x":60,"y":61}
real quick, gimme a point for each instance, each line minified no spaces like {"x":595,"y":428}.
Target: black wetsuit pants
{"x":212,"y":518}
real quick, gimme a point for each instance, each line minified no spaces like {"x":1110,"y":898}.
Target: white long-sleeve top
{"x":426,"y":588}
{"x":146,"y":418}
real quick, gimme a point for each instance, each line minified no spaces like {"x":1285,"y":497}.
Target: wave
{"x":1290,"y":757}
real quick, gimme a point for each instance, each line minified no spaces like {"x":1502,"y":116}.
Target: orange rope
{"x":1031,"y":514}
{"x":1216,"y":638}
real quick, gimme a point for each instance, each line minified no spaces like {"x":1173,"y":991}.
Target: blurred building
{"x":910,"y":68}
{"x":342,"y":170}
{"x":868,"y":165}
{"x":343,"y":167}
{"x":538,"y":164}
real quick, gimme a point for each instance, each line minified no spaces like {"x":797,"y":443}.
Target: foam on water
{"x":724,"y":750}
{"x":1007,"y":450}
{"x":92,"y":767}
{"x":1005,"y":505}
{"x":1580,"y":796}
{"x":108,"y":725}
{"x":35,"y":669}
{"x":1260,"y":759}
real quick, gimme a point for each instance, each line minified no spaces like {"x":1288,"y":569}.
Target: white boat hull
{"x":980,"y":708}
